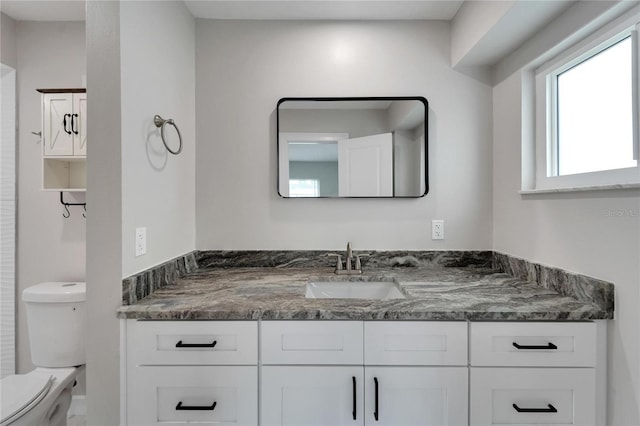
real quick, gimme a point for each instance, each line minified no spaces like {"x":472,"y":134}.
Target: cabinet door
{"x":204,"y":395}
{"x":57,"y":137}
{"x":192,"y":342}
{"x":312,"y":396}
{"x":79,"y":122}
{"x":533,"y":396}
{"x":415,"y":343}
{"x":535,"y":344}
{"x":416,"y":396}
{"x":311,"y":342}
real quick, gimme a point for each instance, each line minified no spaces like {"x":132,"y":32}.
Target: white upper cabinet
{"x":57,"y":138}
{"x":64,"y":124}
{"x":64,"y":139}
{"x":79,"y":122}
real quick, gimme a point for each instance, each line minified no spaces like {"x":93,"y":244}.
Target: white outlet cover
{"x":141,"y":241}
{"x":437,"y":229}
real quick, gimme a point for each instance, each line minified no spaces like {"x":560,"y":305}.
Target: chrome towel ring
{"x":161,"y":122}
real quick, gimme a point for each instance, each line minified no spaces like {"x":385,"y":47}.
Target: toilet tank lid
{"x":55,"y":292}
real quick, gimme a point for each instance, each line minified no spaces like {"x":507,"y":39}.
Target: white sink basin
{"x":376,"y":290}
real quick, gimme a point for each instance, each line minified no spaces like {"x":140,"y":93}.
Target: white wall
{"x":244,"y":67}
{"x":104,"y":221}
{"x":8,"y":41}
{"x":50,"y":247}
{"x":473,"y":21}
{"x":141,"y":63}
{"x":158,"y":77}
{"x":591,"y":233}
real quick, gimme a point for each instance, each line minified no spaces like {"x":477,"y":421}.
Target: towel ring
{"x":161,"y":122}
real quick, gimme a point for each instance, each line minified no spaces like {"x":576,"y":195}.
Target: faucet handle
{"x":339,"y":262}
{"x":358,"y":264}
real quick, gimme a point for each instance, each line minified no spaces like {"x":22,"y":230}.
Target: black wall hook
{"x":66,"y":206}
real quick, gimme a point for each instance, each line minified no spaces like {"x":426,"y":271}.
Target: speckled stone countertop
{"x":433,"y":293}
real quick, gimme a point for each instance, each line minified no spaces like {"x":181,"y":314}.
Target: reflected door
{"x":365,"y":166}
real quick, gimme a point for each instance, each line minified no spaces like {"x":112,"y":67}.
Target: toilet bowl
{"x":56,"y":323}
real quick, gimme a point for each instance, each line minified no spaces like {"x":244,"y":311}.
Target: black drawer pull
{"x":75,"y":132}
{"x":354,"y":397}
{"x":547,"y":346}
{"x":196,"y":407}
{"x":64,"y":123}
{"x":375,"y":413}
{"x":550,"y":409}
{"x":196,"y":345}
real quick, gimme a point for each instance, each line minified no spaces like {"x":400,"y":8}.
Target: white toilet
{"x":56,"y":321}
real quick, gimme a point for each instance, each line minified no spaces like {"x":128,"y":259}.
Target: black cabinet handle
{"x":75,"y":131}
{"x":353,"y":381}
{"x":64,"y":123}
{"x":196,"y":407}
{"x":550,"y":409}
{"x":196,"y":345}
{"x":547,"y":346}
{"x":375,"y":413}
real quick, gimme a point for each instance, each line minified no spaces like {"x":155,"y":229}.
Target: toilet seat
{"x":21,"y":392}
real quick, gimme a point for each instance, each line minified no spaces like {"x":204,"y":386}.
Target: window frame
{"x":545,"y":76}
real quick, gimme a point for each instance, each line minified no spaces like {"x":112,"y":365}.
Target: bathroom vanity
{"x":466,"y":346}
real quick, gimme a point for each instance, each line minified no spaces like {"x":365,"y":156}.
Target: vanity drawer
{"x":192,"y":342}
{"x":159,"y":395}
{"x":563,"y":396}
{"x":311,"y":342}
{"x":415,"y":343}
{"x":549,"y":344}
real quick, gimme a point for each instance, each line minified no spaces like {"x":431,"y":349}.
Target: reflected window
{"x":304,"y":188}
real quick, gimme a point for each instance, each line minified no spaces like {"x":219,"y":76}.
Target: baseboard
{"x":78,"y":406}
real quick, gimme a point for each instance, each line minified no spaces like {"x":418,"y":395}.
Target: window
{"x":587,"y":113}
{"x":304,"y":188}
{"x":594,"y":113}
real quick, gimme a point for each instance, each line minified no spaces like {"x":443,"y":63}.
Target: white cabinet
{"x":532,"y":373}
{"x":548,"y":344}
{"x":312,"y":396}
{"x":415,"y":343}
{"x":311,"y":342}
{"x":423,"y":396}
{"x":184,"y":372}
{"x":533,"y":396}
{"x":64,"y":139}
{"x":341,"y":373}
{"x":393,"y":373}
{"x":210,"y":395}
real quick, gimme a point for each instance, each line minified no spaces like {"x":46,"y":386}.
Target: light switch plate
{"x":141,"y":241}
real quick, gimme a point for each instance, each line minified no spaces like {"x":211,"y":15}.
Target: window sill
{"x":632,"y":186}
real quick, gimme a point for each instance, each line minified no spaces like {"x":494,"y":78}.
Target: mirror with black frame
{"x":352,"y":147}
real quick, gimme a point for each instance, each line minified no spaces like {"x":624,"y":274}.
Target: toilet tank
{"x":57,"y":323}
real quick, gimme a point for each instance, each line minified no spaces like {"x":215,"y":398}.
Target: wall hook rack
{"x":67,"y":205}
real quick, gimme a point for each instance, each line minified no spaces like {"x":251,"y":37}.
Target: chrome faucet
{"x":349,"y":267}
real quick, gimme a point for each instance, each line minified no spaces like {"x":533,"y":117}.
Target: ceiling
{"x":524,"y":19}
{"x":325,"y":9}
{"x":73,"y":10}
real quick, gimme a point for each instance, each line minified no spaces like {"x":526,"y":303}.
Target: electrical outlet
{"x":141,"y":241}
{"x":437,"y":229}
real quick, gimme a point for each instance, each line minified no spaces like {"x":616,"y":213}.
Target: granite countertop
{"x":433,"y":293}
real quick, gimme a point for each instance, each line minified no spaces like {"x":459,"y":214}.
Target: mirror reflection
{"x":352,"y":147}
